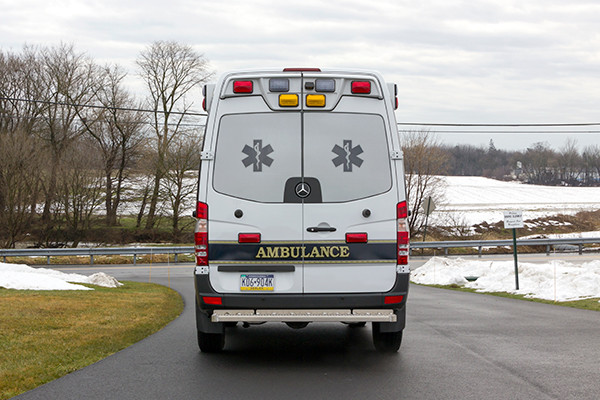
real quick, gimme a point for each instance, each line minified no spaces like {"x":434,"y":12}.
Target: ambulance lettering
{"x":296,"y":252}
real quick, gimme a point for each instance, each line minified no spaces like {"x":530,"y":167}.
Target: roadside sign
{"x":513,"y":219}
{"x":429,"y":206}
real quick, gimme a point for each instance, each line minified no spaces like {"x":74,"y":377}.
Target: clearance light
{"x":302,"y":70}
{"x":325,"y":85}
{"x":215,"y":301}
{"x":403,"y":236}
{"x":361,"y":87}
{"x":242,"y":87}
{"x":356,"y":238}
{"x":315,"y":100}
{"x":288,"y":100}
{"x":393,"y":299}
{"x":248,"y":237}
{"x":279,"y":85}
{"x":201,"y":234}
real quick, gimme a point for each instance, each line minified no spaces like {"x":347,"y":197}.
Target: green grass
{"x":47,"y":334}
{"x":587,"y":304}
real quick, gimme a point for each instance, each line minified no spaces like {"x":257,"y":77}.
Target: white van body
{"x":301,"y":204}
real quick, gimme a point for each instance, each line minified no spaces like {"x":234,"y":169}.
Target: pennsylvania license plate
{"x":257,"y":282}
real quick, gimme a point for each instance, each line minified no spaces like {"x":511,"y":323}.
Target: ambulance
{"x":301,"y":209}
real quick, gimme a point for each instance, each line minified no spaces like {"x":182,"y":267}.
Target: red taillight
{"x":396,"y":106}
{"x":403,"y":235}
{"x":201,"y":234}
{"x":204,"y":104}
{"x":242,"y":87}
{"x":361,"y":87}
{"x":403,"y":238}
{"x":215,"y":301}
{"x":356,"y":238}
{"x":201,"y":210}
{"x":393,"y":299}
{"x":248,"y":237}
{"x":402,"y":210}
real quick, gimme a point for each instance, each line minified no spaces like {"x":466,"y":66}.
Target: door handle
{"x":321,"y":229}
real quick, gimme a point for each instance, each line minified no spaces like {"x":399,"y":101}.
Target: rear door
{"x":254,"y":236}
{"x":350,"y":234}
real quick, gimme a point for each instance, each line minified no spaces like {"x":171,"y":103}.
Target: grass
{"x":586,"y":304}
{"x":47,"y":334}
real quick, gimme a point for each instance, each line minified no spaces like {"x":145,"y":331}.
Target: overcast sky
{"x":496,"y":61}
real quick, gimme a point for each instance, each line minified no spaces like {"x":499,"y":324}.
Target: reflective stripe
{"x":325,"y":252}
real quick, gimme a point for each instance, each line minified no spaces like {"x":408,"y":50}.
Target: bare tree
{"x":538,"y":163}
{"x":79,"y":187}
{"x":183,"y":157}
{"x":570,"y":162}
{"x":118,"y":132}
{"x":171,"y":71}
{"x":19,"y":172}
{"x":424,"y":161}
{"x":67,"y":83}
{"x":591,"y":160}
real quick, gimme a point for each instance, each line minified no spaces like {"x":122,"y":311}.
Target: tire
{"x":211,"y":342}
{"x":386,"y":342}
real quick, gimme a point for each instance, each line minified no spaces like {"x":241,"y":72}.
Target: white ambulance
{"x":301,"y":212}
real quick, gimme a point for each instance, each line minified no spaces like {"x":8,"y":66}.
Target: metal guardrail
{"x":96,"y":251}
{"x":557,"y":244}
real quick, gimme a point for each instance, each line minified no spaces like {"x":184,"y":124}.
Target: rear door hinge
{"x":396,"y":155}
{"x":207,"y":155}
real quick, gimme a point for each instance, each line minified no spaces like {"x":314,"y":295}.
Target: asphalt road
{"x":456,"y":346}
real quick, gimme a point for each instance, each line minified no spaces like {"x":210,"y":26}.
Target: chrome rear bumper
{"x":349,"y":316}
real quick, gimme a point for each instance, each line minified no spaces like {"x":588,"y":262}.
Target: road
{"x":456,"y":346}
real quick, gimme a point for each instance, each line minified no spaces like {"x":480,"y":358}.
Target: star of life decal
{"x":257,"y":155}
{"x":347,"y":155}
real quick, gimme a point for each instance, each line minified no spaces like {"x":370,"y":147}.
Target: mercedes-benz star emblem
{"x":302,"y":190}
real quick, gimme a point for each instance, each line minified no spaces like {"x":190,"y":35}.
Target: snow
{"x":474,"y":199}
{"x":23,"y":277}
{"x":555,"y":280}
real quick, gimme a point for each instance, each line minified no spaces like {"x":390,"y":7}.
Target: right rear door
{"x":353,"y":227}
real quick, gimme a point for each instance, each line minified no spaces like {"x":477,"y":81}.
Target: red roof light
{"x":361,"y":87}
{"x":242,"y":87}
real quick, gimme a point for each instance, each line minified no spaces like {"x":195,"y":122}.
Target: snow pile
{"x":102,"y":279}
{"x":555,"y":280}
{"x":23,"y":277}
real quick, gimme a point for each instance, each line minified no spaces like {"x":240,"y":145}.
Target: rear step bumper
{"x":348,"y":316}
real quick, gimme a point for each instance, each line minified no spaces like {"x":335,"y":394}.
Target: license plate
{"x":257,"y":282}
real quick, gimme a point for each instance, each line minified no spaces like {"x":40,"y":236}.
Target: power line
{"x":24,"y":117}
{"x":59,"y":103}
{"x":498,"y":125}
